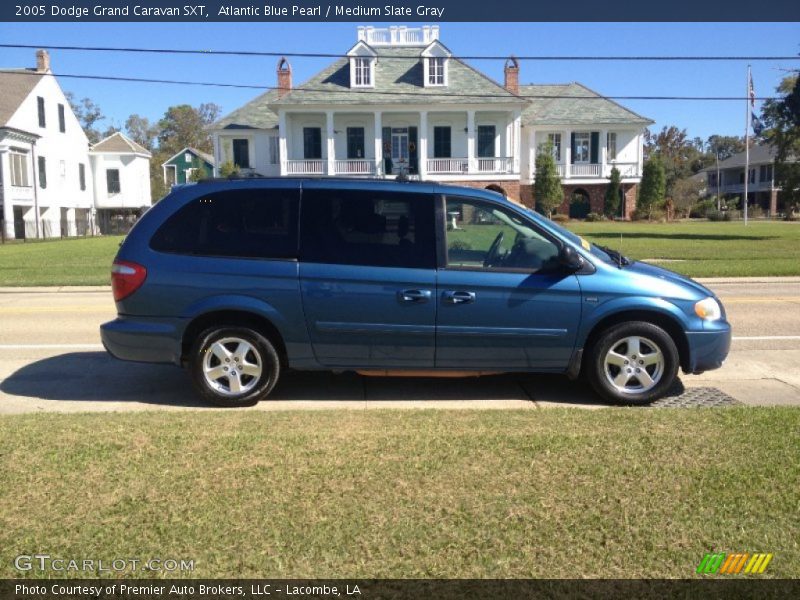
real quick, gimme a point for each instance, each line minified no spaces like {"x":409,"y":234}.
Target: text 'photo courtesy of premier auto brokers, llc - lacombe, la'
{"x":252,"y":10}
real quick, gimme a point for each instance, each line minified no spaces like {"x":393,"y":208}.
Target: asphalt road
{"x":51,"y":360}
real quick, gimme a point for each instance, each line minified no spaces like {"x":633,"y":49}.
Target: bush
{"x":559,"y":218}
{"x":593,"y":216}
{"x":700,"y":210}
{"x":460,"y":245}
{"x":656,"y":214}
{"x":718,"y":215}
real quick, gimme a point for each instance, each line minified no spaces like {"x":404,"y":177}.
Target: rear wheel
{"x":633,"y":363}
{"x":234,"y":366}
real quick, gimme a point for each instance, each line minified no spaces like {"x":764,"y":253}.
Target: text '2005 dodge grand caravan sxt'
{"x":241,"y":279}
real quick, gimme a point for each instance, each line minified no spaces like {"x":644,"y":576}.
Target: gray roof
{"x":762,"y":154}
{"x":399,"y":80}
{"x":199,"y":153}
{"x":119,"y":142}
{"x":573,"y":103}
{"x":15,"y":84}
{"x":256,"y":114}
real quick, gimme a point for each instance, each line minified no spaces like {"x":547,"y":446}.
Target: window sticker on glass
{"x":586,"y":245}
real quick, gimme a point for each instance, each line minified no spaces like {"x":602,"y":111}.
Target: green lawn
{"x":701,"y":249}
{"x":556,"y":493}
{"x":705,"y":249}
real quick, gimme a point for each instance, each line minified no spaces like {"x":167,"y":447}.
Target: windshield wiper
{"x":622,"y":261}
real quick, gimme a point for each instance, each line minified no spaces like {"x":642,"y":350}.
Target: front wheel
{"x":233,"y":366}
{"x":633,"y":363}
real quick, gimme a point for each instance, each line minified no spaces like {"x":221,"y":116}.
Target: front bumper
{"x":708,"y":349}
{"x":143,"y":339}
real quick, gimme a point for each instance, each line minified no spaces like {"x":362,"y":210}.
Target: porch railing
{"x":305,"y":167}
{"x":447,"y":165}
{"x":354,"y":167}
{"x":630,"y":169}
{"x":585,"y":170}
{"x":495,"y":164}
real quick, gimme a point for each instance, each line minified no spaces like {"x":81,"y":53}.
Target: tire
{"x":215,"y":356}
{"x":614,"y":359}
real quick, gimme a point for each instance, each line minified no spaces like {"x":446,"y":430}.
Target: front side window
{"x":611,"y":145}
{"x":368,"y":228}
{"x":580,"y":152}
{"x":62,"y":122}
{"x":238,"y":223}
{"x":355,"y":142}
{"x":363,"y":73}
{"x":483,"y":236}
{"x":40,"y":109}
{"x":441,"y":142}
{"x":42,"y":172}
{"x":436,"y":71}
{"x":241,"y":153}
{"x":486,"y":138}
{"x":554,"y":141}
{"x":19,"y":169}
{"x":112,"y":181}
{"x":82,"y":176}
{"x":274,"y":150}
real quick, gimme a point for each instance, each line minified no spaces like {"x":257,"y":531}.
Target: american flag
{"x":752,"y":92}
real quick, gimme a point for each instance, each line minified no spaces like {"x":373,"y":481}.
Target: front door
{"x":400,"y":150}
{"x":504,"y":303}
{"x":367,"y":276}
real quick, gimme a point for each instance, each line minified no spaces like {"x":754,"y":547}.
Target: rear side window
{"x":368,"y":228}
{"x":238,"y":223}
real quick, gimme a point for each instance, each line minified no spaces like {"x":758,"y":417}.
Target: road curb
{"x":723,"y":280}
{"x":55,"y":289}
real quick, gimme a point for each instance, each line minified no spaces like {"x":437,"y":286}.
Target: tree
{"x":724,"y":145}
{"x":88,"y":114}
{"x":685,"y":194}
{"x":680,"y":157}
{"x":782,"y":120}
{"x":611,"y":204}
{"x":547,"y":191}
{"x":142,"y":131}
{"x":652,"y":188}
{"x":185,"y":126}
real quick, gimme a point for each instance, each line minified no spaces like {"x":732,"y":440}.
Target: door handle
{"x":459,"y":297}
{"x":414,"y":296}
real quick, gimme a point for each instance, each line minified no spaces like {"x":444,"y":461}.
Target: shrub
{"x":593,"y":216}
{"x":460,"y":245}
{"x":559,"y":218}
{"x":718,"y":215}
{"x":700,"y":210}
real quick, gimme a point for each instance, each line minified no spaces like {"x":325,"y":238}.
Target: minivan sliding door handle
{"x":458,"y":297}
{"x":414,"y":296}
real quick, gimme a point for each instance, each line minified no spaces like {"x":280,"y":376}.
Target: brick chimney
{"x":511,"y":72}
{"x":42,"y":61}
{"x":284,"y":77}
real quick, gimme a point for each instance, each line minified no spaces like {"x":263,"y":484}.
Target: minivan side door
{"x":504,"y":301}
{"x":367,"y":275}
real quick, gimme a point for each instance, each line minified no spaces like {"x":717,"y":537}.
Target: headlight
{"x":708,"y":309}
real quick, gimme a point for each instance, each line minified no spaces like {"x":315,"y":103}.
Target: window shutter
{"x":412,"y":150}
{"x":594,"y":147}
{"x":387,"y":155}
{"x":572,"y":148}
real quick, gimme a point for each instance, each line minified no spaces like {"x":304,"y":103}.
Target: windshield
{"x":577,"y":240}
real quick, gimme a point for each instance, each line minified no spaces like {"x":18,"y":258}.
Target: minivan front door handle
{"x":415,"y":296}
{"x":459,"y":297}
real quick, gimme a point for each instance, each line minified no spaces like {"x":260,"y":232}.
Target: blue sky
{"x":118,"y":100}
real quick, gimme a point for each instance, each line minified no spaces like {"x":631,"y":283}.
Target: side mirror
{"x":569,"y":258}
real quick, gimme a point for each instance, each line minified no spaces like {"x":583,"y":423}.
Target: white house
{"x":400,"y":102}
{"x":47,"y":172}
{"x":121,"y":169}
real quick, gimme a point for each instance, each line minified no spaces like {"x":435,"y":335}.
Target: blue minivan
{"x":241,"y":279}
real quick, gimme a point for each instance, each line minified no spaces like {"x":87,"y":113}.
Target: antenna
{"x":619,"y":254}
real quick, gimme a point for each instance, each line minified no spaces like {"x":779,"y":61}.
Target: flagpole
{"x":746,"y":142}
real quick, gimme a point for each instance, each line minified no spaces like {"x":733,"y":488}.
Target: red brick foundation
{"x":510,"y":188}
{"x":596,"y":193}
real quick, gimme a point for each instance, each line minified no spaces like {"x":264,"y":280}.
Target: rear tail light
{"x":126,"y":278}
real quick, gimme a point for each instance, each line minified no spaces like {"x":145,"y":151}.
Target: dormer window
{"x":363,"y":72}
{"x":436,"y":70}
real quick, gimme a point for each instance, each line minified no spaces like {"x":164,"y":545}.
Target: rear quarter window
{"x":237,"y":223}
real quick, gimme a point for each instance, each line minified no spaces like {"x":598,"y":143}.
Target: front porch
{"x":425,"y":144}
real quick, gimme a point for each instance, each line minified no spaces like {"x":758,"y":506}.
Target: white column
{"x":378,"y":143}
{"x":603,"y":152}
{"x":282,"y":145}
{"x":517,"y":147}
{"x":331,"y":142}
{"x":422,"y":150}
{"x":532,"y":152}
{"x":640,"y":158}
{"x":8,"y":211}
{"x":472,"y":166}
{"x":567,"y":147}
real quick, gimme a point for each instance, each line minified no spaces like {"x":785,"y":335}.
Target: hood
{"x":643,"y":268}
